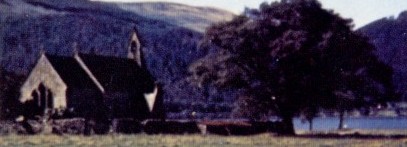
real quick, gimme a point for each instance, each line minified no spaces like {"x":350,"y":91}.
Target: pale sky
{"x":361,"y":11}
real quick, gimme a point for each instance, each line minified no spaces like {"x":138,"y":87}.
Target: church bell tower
{"x":134,"y":51}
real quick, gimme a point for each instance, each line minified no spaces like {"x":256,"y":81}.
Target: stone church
{"x":92,"y":86}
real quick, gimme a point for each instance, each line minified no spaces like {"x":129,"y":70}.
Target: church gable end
{"x":44,"y":74}
{"x":134,"y":51}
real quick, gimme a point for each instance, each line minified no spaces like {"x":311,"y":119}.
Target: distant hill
{"x":169,"y":37}
{"x":195,"y":18}
{"x":389,"y":35}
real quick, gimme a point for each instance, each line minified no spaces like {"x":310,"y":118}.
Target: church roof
{"x":70,"y":71}
{"x":110,"y":74}
{"x":119,"y":74}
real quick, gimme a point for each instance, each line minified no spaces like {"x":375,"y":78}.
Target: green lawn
{"x":189,"y":140}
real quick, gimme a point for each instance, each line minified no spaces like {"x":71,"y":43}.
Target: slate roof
{"x":70,"y":71}
{"x":119,"y":74}
{"x":114,"y":74}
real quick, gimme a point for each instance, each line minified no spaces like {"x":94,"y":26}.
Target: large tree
{"x":292,"y":57}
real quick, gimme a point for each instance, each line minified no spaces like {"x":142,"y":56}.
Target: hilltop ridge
{"x":195,"y":18}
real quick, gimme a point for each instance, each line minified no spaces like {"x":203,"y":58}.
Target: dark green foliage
{"x":293,"y":56}
{"x":9,"y":92}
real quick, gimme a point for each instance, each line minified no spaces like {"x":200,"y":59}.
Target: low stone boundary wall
{"x":170,"y":127}
{"x":68,"y":126}
{"x":130,"y":126}
{"x":237,"y":127}
{"x":10,"y":127}
{"x":126,"y":126}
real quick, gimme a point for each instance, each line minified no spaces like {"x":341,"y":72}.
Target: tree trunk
{"x":341,"y":115}
{"x":287,"y":127}
{"x":310,"y":123}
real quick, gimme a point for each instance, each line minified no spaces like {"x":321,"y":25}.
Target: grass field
{"x":190,"y":140}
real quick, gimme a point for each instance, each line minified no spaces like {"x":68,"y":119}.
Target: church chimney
{"x":134,"y":50}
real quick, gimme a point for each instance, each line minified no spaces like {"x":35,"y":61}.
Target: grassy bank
{"x":190,"y":140}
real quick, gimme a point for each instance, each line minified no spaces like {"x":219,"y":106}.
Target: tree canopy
{"x":293,"y":57}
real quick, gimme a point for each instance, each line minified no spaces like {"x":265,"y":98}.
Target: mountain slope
{"x":389,"y":35}
{"x":195,"y":18}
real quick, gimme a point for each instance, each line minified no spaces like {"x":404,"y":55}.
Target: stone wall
{"x":75,"y":126}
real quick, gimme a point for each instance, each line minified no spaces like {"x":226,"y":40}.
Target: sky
{"x":361,"y":11}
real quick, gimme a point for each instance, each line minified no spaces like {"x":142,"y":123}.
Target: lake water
{"x":331,"y":123}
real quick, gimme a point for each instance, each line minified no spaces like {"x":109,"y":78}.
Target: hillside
{"x":195,"y":18}
{"x":169,"y":45}
{"x":389,"y":35}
